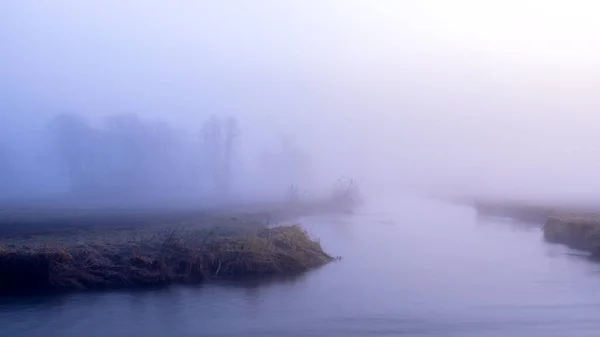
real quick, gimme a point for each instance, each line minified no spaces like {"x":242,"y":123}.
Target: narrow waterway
{"x":409,"y":267}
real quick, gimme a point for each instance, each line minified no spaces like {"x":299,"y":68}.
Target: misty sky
{"x":473,"y":95}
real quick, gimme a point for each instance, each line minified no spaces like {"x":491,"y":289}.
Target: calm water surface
{"x":409,"y":267}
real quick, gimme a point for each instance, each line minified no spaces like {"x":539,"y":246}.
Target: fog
{"x":112,"y":100}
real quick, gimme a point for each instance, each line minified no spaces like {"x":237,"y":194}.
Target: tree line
{"x":127,"y":157}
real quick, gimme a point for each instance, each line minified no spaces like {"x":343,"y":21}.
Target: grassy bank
{"x":578,"y":232}
{"x":522,"y":211}
{"x":531,"y":211}
{"x":576,"y":225}
{"x":108,"y":250}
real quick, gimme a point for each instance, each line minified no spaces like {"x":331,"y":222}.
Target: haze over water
{"x":410,"y":267}
{"x":429,"y":97}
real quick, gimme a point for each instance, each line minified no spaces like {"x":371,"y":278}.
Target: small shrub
{"x":292,"y":194}
{"x":346,"y":194}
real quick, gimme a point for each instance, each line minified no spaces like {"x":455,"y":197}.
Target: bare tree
{"x":73,"y":138}
{"x":7,"y":173}
{"x":220,"y":139}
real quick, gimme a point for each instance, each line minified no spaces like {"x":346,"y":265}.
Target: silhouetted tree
{"x":231,"y":137}
{"x":149,"y":158}
{"x":130,"y":158}
{"x":125,"y":153}
{"x":345,"y":194}
{"x":74,"y":140}
{"x":219,"y":147}
{"x":7,"y":173}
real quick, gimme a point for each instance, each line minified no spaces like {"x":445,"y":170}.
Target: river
{"x":409,"y":267}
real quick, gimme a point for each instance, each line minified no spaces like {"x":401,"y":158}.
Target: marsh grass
{"x":574,"y":225}
{"x":48,"y":250}
{"x":578,"y":232}
{"x":158,"y":257}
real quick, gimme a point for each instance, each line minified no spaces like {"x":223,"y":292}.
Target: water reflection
{"x":492,"y":220}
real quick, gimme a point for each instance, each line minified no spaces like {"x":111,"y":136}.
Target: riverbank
{"x":60,"y":250}
{"x":518,"y":210}
{"x":576,"y":225}
{"x":577,"y":232}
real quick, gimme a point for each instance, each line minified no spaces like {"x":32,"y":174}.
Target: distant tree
{"x":231,"y":138}
{"x":211,"y":148}
{"x":124,"y":151}
{"x":293,"y":196}
{"x":7,"y":173}
{"x":148,"y":158}
{"x":219,"y":140}
{"x":128,"y":158}
{"x":74,"y":141}
{"x":346,"y":194}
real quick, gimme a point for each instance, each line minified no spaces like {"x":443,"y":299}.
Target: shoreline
{"x":54,"y":251}
{"x":576,"y":226}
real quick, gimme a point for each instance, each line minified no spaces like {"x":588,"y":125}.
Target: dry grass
{"x":156,"y":258}
{"x":532,"y":211}
{"x":578,"y":232}
{"x":522,"y":211}
{"x":45,"y":250}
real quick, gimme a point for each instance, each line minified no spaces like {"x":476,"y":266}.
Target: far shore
{"x":574,"y":224}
